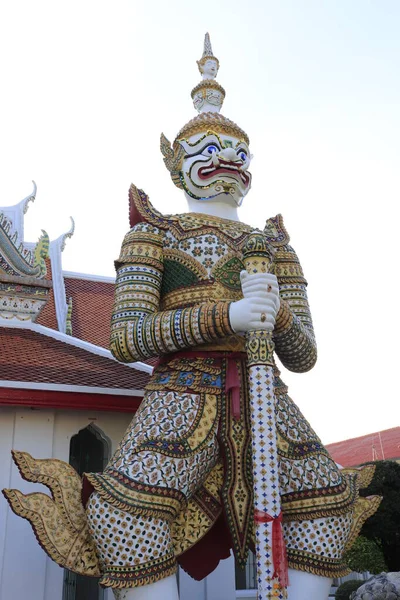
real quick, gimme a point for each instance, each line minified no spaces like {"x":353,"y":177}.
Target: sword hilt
{"x":258,"y":257}
{"x":258,"y":254}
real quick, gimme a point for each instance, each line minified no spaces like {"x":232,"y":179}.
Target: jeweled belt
{"x":232,"y":374}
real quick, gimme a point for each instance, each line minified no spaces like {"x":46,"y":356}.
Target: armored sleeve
{"x":139,"y":330}
{"x":294,"y":334}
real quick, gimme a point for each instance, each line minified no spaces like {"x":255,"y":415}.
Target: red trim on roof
{"x":68,"y":400}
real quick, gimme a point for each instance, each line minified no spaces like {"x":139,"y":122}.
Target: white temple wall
{"x":6,"y":436}
{"x":26,"y":573}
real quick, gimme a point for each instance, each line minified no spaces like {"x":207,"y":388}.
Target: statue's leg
{"x":132,"y":548}
{"x":318,"y":505}
{"x":306,"y":586}
{"x":165,"y":589}
{"x":163,"y":459}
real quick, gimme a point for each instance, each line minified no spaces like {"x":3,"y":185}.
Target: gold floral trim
{"x":147,"y":500}
{"x":364,"y":474}
{"x":139,"y":575}
{"x":364,"y":508}
{"x":317,"y":565}
{"x":210,"y":84}
{"x":59,"y":523}
{"x":188,"y":297}
{"x":214,"y":122}
{"x":145,"y":246}
{"x":316,"y":504}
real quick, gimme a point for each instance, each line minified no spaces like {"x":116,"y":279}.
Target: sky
{"x":87,"y":87}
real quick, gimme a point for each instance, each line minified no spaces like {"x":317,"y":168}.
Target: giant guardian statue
{"x":218,"y":457}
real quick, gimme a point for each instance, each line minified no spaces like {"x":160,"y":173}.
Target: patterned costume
{"x":179,"y":487}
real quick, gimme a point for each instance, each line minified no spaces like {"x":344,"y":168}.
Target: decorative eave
{"x":22,"y":298}
{"x":34,"y":281}
{"x":15,"y":257}
{"x":15,"y":214}
{"x":23,"y":288}
{"x":62,"y":304}
{"x":23,"y":267}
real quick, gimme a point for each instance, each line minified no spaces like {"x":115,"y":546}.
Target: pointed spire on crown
{"x":208,"y":95}
{"x":207,"y":46}
{"x":207,"y":55}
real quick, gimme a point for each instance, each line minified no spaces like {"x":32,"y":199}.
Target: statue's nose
{"x":228,"y":154}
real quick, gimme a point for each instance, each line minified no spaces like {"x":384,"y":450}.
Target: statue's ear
{"x":173,"y":158}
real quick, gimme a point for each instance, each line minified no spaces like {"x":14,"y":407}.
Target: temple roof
{"x":381,"y":445}
{"x":28,"y":356}
{"x":54,"y":327}
{"x":92,"y":303}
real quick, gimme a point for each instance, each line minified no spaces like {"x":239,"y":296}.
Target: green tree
{"x":383,"y":528}
{"x":348,"y":587}
{"x":365,"y":555}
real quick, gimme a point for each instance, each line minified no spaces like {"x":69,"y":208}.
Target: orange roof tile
{"x":31,"y":357}
{"x":382,"y":445}
{"x":92,"y":303}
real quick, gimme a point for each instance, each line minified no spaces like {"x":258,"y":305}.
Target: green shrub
{"x":365,"y":555}
{"x":343,"y":592}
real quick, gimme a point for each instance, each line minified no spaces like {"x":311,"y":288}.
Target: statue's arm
{"x":139,"y":330}
{"x":293,"y":334}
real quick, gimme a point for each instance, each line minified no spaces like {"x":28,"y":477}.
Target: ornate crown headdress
{"x":208,"y":97}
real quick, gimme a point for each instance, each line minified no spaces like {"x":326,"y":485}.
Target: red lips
{"x":232,"y":168}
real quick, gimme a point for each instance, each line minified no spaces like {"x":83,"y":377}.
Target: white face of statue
{"x":215,"y":168}
{"x":210,"y":69}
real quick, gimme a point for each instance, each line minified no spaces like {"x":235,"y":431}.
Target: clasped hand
{"x":260,"y":304}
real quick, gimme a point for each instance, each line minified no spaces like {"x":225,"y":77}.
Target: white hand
{"x":260,"y":304}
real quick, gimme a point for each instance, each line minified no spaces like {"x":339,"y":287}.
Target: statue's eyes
{"x":243,"y":155}
{"x":211,"y":149}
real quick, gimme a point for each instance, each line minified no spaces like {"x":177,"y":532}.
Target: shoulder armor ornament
{"x":183,"y":225}
{"x":141,"y":209}
{"x":275,"y":231}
